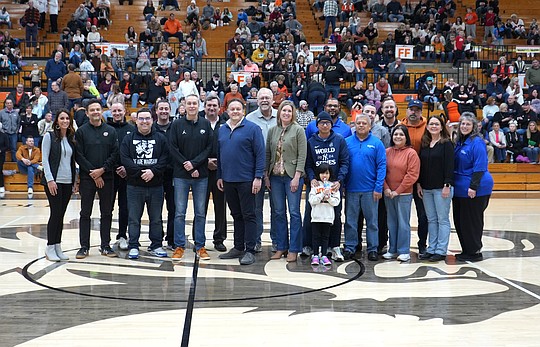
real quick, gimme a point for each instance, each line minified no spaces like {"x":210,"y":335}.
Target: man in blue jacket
{"x":364,"y":185}
{"x":326,"y":146}
{"x":241,"y":159}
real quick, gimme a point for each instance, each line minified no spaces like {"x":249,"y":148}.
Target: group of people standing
{"x":378,"y":167}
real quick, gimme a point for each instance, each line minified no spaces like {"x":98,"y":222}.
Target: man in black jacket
{"x":118,"y":122}
{"x":144,"y":155}
{"x":97,"y":155}
{"x":19,"y":97}
{"x":163,"y":125}
{"x":191,"y":144}
{"x":211,"y":112}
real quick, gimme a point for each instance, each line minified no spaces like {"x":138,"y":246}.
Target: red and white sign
{"x":240,"y":77}
{"x":404,"y":51}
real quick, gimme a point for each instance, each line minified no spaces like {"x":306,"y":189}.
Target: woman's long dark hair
{"x":445,"y":135}
{"x":70,"y":133}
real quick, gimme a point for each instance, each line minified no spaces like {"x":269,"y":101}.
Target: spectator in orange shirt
{"x":233,"y":94}
{"x":172,"y":27}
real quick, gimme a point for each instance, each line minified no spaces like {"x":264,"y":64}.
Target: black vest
{"x":55,"y":154}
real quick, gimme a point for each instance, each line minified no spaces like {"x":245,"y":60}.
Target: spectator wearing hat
{"x":303,"y":115}
{"x":326,"y":146}
{"x":525,"y":117}
{"x":428,"y":91}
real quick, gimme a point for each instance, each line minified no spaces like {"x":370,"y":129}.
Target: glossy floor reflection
{"x":117,"y":301}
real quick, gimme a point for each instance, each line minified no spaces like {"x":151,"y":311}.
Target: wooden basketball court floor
{"x":102,"y":301}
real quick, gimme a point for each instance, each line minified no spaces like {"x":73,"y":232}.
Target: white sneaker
{"x":307,"y":251}
{"x":2,"y":192}
{"x":123,"y":244}
{"x":336,"y":254}
{"x":30,"y":191}
{"x":404,"y":257}
{"x":133,"y":253}
{"x":389,"y":255}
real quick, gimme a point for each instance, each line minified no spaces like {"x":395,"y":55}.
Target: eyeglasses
{"x":325,"y":123}
{"x":332,"y":105}
{"x":144,"y":119}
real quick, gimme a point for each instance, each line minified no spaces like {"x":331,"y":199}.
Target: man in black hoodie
{"x":97,"y":155}
{"x":191,"y":143}
{"x":118,"y":122}
{"x":144,"y":155}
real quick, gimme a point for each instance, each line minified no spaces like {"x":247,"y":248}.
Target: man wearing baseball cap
{"x":416,"y":125}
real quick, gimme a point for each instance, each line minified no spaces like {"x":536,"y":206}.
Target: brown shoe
{"x":278,"y":255}
{"x":203,"y":254}
{"x":291,"y":257}
{"x":178,"y":253}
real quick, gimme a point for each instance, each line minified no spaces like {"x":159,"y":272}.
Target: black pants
{"x":120,"y":190}
{"x":41,"y":24}
{"x":241,"y":202}
{"x":54,"y":22}
{"x":58,"y":204}
{"x":220,"y":209}
{"x":2,"y":161}
{"x":469,"y":222}
{"x":422,"y":220}
{"x":381,"y":222}
{"x":87,"y":190}
{"x":321,"y":234}
{"x":168,"y":191}
{"x":335,"y":230}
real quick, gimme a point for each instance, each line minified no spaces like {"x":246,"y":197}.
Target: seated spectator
{"x":251,"y":100}
{"x":356,"y":95}
{"x":397,"y":72}
{"x":380,"y":63}
{"x":299,"y":90}
{"x":214,"y":85}
{"x":45,"y":125}
{"x":172,"y":27}
{"x":154,"y":26}
{"x":233,"y":94}
{"x":384,"y":88}
{"x":105,"y":88}
{"x":277,"y":95}
{"x":208,"y":13}
{"x":371,"y":33}
{"x":149,"y":10}
{"x":106,"y":67}
{"x":28,"y":159}
{"x":115,"y":96}
{"x":496,"y":90}
{"x":244,"y":31}
{"x":531,"y":141}
{"x":40,"y":103}
{"x":90,"y":92}
{"x":226,"y":16}
{"x":199,"y":46}
{"x":171,"y":3}
{"x":130,"y":34}
{"x":373,"y":96}
{"x":428,"y":91}
{"x":514,"y":143}
{"x":394,"y":11}
{"x":498,"y":141}
{"x":104,"y":5}
{"x":163,"y":62}
{"x":103,"y":19}
{"x":503,"y":117}
{"x":129,"y":86}
{"x":5,"y":18}
{"x":93,"y":37}
{"x":378,"y":12}
{"x":192,"y":11}
{"x":515,"y":89}
{"x":19,"y":97}
{"x":155,"y":91}
{"x":187,"y":86}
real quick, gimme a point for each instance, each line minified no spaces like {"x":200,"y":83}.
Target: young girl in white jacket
{"x":322,"y":199}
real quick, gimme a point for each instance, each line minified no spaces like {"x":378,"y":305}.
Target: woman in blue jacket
{"x":473,"y":185}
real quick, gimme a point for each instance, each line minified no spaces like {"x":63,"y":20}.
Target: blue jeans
{"x":532,"y":153}
{"x":259,"y":207}
{"x":13,"y":145}
{"x":29,"y":170}
{"x":332,"y":89}
{"x":327,"y":22}
{"x":181,"y":191}
{"x":399,"y":226}
{"x":354,"y":203}
{"x":282,"y":197}
{"x":438,"y":215}
{"x":152,"y":197}
{"x":134,"y":100}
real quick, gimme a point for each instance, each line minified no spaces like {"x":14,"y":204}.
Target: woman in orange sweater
{"x":402,"y":171}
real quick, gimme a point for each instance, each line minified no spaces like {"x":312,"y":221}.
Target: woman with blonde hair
{"x":286,"y":150}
